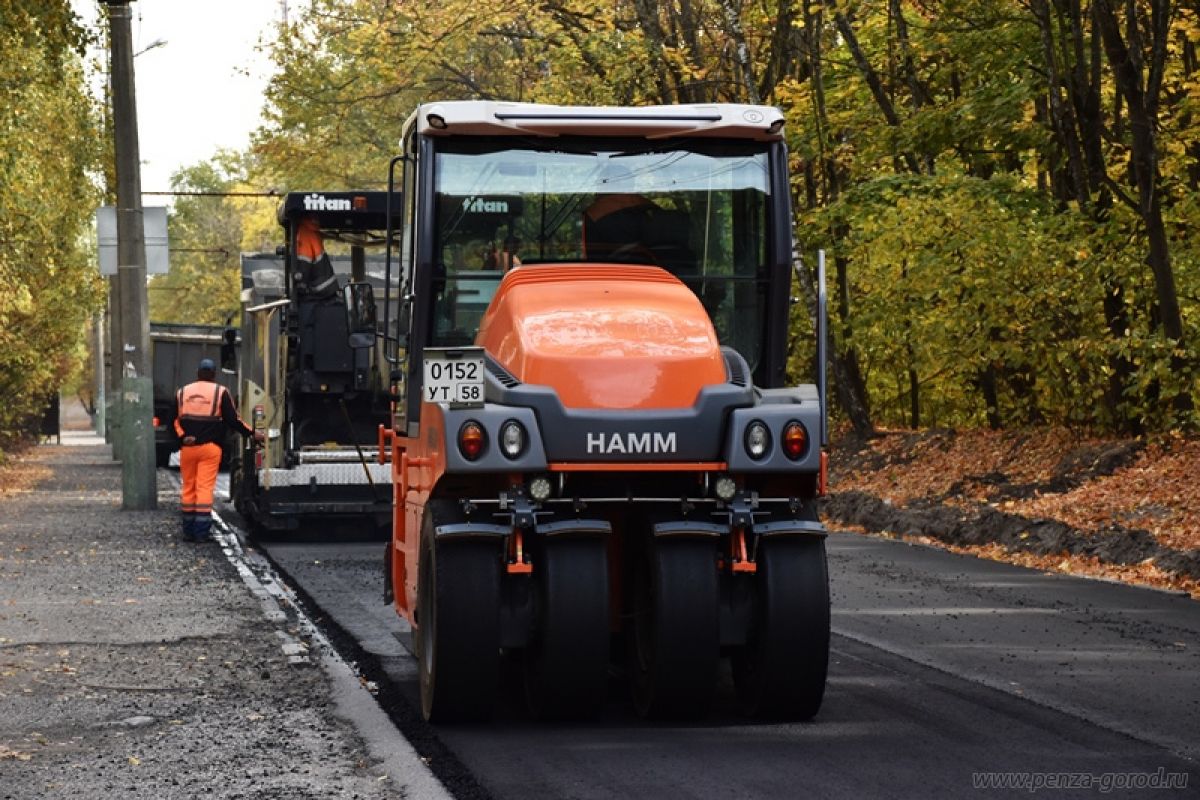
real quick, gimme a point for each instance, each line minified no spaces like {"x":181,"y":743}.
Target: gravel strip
{"x":136,"y":665}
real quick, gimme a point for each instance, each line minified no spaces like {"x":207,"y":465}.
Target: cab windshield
{"x":698,"y":209}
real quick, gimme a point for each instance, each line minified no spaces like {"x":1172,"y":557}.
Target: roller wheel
{"x":676,"y":635}
{"x":458,"y":636}
{"x":780,"y":673}
{"x":566,"y":665}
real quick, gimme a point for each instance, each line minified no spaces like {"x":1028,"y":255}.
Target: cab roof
{"x":490,"y":118}
{"x":346,"y":211}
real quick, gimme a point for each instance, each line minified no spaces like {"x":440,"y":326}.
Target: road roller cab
{"x":596,"y":459}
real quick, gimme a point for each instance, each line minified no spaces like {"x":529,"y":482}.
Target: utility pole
{"x":112,"y":377}
{"x":131,"y":352}
{"x":99,"y":399}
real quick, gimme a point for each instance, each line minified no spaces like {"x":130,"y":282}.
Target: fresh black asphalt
{"x":944,"y":669}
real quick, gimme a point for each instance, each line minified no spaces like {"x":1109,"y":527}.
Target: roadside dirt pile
{"x":1052,"y":499}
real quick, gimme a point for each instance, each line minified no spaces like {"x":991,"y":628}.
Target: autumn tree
{"x":49,"y":151}
{"x":204,"y":283}
{"x":1136,"y":38}
{"x":1005,"y":188}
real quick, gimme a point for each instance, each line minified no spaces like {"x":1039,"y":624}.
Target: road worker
{"x":616,"y":226}
{"x":314,"y":277}
{"x":205,"y":411}
{"x":624,"y":227}
{"x":505,"y":257}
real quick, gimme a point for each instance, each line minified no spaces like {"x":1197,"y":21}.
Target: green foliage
{"x":974,"y":171}
{"x":926,"y":155}
{"x":48,"y":151}
{"x":349,"y":73}
{"x":953,"y":300}
{"x":204,"y":283}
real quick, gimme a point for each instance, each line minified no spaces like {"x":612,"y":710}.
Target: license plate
{"x":454,"y":376}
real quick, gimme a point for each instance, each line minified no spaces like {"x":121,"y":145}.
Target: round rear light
{"x":471,"y":440}
{"x":795,"y":440}
{"x":539,"y":488}
{"x":725,"y":488}
{"x":758,"y":439}
{"x":512,"y":439}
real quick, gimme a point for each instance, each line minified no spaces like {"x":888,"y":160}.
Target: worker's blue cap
{"x":207,"y":363}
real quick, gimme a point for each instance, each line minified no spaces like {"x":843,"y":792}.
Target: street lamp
{"x":159,"y":42}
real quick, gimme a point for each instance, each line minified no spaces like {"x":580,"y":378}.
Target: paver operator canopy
{"x":594,"y":435}
{"x":310,"y":373}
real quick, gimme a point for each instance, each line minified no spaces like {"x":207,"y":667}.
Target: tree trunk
{"x":667,"y":82}
{"x":848,"y":380}
{"x":852,"y":389}
{"x":689,"y":31}
{"x":1078,"y":125}
{"x":1141,"y":91}
{"x":733,"y":27}
{"x":784,"y":51}
{"x":991,"y":397}
{"x":873,"y":83}
{"x":914,"y":396}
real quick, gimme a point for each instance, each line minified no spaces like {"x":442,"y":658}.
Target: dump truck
{"x":175,"y":353}
{"x":596,"y":456}
{"x":306,"y":380}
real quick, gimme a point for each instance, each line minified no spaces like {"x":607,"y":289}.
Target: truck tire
{"x":566,"y":664}
{"x":780,"y":673}
{"x":457,"y":637}
{"x":676,"y":645}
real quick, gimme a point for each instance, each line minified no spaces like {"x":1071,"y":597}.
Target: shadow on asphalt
{"x":322,"y":533}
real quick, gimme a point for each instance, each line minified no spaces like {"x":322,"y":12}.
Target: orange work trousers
{"x":198,"y":464}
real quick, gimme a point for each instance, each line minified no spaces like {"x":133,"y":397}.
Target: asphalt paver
{"x":136,"y":664}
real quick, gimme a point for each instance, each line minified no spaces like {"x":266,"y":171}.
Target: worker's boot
{"x":202,"y":528}
{"x":188,"y":526}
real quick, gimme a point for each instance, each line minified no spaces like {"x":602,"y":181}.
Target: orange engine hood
{"x":603,"y":336}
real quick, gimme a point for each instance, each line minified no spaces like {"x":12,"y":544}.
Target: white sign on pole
{"x":154,"y":233}
{"x":106,"y":237}
{"x":154,"y":223}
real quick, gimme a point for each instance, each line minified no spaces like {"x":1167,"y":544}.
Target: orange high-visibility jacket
{"x":314,"y":274}
{"x":205,"y":409}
